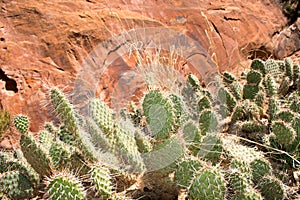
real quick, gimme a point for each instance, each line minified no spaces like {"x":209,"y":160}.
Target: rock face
{"x":44,"y":43}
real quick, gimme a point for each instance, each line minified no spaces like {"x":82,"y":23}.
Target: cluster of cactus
{"x":168,"y":141}
{"x":269,"y":109}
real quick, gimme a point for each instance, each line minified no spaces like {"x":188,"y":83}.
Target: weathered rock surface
{"x":43,"y":43}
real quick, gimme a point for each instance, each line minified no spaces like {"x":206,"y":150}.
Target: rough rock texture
{"x":287,"y":42}
{"x":44,"y":43}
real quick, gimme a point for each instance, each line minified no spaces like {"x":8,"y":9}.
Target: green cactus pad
{"x":288,"y":68}
{"x":124,"y":144}
{"x":143,"y":141}
{"x":270,"y":85}
{"x":21,"y":122}
{"x":273,"y":108}
{"x":250,"y":91}
{"x":179,"y":110}
{"x":239,"y":152}
{"x":228,"y":78}
{"x":45,"y":139}
{"x":159,"y":114}
{"x":186,"y":171}
{"x":208,"y":121}
{"x":101,"y":181}
{"x":64,"y":110}
{"x":239,"y":182}
{"x":60,"y":155}
{"x":271,"y":188}
{"x":258,"y":64}
{"x":249,"y":194}
{"x":193,"y":80}
{"x":284,"y":133}
{"x":35,"y":154}
{"x":210,"y":149}
{"x":102,"y":115}
{"x":260,"y":168}
{"x":15,"y":185}
{"x":284,"y":86}
{"x":251,"y":127}
{"x":238,"y":113}
{"x":204,"y":103}
{"x":227,"y":98}
{"x":237,"y":90}
{"x":191,"y":135}
{"x":208,"y":184}
{"x":241,"y":165}
{"x":272,"y":67}
{"x":254,"y":77}
{"x":285,"y":115}
{"x":64,"y":186}
{"x":25,"y":169}
{"x":296,"y":73}
{"x":295,"y":103}
{"x":260,"y":98}
{"x":4,"y":158}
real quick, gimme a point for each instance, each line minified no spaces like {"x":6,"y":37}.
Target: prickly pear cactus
{"x":159,"y":114}
{"x":15,"y":185}
{"x":194,"y":143}
{"x":65,"y":186}
{"x":208,"y":184}
{"x":21,"y":122}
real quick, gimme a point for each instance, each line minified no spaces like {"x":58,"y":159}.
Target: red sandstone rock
{"x":43,"y":43}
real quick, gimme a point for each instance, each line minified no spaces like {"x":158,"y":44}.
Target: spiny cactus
{"x":174,"y":135}
{"x":296,"y":74}
{"x":273,"y":108}
{"x":288,"y":68}
{"x":239,"y":182}
{"x":125,"y":145}
{"x":102,"y":115}
{"x":237,"y":90}
{"x":46,"y":139}
{"x":193,"y":80}
{"x":101,"y":180}
{"x":210,"y":149}
{"x":260,"y":168}
{"x":228,"y":78}
{"x":251,"y":127}
{"x":186,"y":171}
{"x":71,"y":120}
{"x":63,"y":186}
{"x":179,"y":110}
{"x":271,"y":67}
{"x":227,"y":98}
{"x":249,"y":194}
{"x":258,"y":64}
{"x":250,"y":91}
{"x":271,"y":188}
{"x":284,"y":134}
{"x":159,"y":114}
{"x":285,"y":115}
{"x":208,"y":121}
{"x":35,"y":154}
{"x":204,"y":103}
{"x":284,"y":86}
{"x":260,"y":98}
{"x":270,"y":85}
{"x":208,"y":184}
{"x":254,"y":77}
{"x":21,"y":122}
{"x":15,"y":185}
